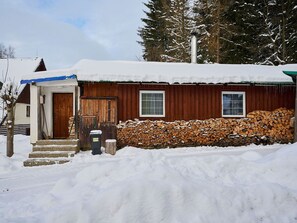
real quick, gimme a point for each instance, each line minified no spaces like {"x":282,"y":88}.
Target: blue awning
{"x":46,"y":79}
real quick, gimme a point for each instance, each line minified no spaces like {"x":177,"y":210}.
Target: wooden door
{"x":105,"y":109}
{"x":63,"y":110}
{"x":97,"y":113}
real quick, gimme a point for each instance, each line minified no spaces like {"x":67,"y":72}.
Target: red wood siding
{"x":186,"y":102}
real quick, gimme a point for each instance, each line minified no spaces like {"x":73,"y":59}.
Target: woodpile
{"x":71,"y":128}
{"x":259,"y":127}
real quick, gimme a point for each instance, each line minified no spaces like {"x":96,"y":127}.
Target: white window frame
{"x":140,"y":102}
{"x":243,"y":105}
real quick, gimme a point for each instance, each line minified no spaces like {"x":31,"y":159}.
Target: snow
{"x":18,"y":67}
{"x":203,"y":184}
{"x":161,"y":72}
{"x":22,"y":149}
{"x":95,"y":132}
{"x":14,"y":68}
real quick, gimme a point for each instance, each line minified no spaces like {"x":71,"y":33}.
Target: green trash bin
{"x":95,"y":136}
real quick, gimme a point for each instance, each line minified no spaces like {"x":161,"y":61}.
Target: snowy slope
{"x":245,"y":184}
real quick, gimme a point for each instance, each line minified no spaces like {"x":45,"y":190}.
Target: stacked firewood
{"x":275,"y":125}
{"x":259,"y":127}
{"x":71,"y":127}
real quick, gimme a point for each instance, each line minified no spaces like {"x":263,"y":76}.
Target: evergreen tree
{"x":236,"y":31}
{"x":280,"y":21}
{"x":272,"y":47}
{"x":244,"y":44}
{"x":265,"y":32}
{"x":180,"y":25}
{"x":203,"y":22}
{"x":288,"y":22}
{"x":215,"y":31}
{"x":154,"y":33}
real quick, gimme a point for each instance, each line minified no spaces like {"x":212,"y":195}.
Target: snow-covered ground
{"x":203,"y":184}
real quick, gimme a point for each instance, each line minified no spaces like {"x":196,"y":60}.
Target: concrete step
{"x":58,"y":142}
{"x":49,"y":154}
{"x":43,"y":162}
{"x":53,"y":147}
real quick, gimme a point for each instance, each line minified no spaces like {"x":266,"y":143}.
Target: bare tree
{"x":8,"y":96}
{"x":6,"y":52}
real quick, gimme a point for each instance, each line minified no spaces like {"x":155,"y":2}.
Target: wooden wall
{"x":186,"y":102}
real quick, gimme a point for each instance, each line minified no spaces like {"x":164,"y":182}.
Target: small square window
{"x":152,"y":104}
{"x":233,"y":104}
{"x":28,"y":111}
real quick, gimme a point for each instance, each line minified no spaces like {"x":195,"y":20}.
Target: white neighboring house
{"x":13,"y":69}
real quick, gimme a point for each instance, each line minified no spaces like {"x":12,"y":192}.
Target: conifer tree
{"x":284,"y":20}
{"x":265,"y":32}
{"x":272,"y":47}
{"x":236,"y":31}
{"x":215,"y":31}
{"x":290,"y":36}
{"x":154,"y":34}
{"x":180,"y":25}
{"x":244,"y":45}
{"x":203,"y":21}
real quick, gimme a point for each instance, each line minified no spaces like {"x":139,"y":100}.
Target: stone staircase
{"x":49,"y":152}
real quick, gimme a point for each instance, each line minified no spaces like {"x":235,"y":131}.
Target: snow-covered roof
{"x":160,"y":72}
{"x":18,"y":67}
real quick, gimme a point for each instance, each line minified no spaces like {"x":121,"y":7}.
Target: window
{"x":233,"y":104}
{"x":28,"y":111}
{"x":152,"y":104}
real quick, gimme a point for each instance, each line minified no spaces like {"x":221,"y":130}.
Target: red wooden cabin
{"x":113,"y":91}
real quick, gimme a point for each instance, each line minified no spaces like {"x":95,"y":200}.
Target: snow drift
{"x":156,"y":188}
{"x":21,"y":150}
{"x":180,"y":185}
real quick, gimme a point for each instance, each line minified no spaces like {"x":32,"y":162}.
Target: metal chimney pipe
{"x":194,"y":47}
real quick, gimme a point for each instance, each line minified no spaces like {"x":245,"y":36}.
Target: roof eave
{"x":189,"y":83}
{"x":48,"y":79}
{"x":292,"y":74}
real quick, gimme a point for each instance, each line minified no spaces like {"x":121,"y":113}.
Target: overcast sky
{"x":65,"y":31}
